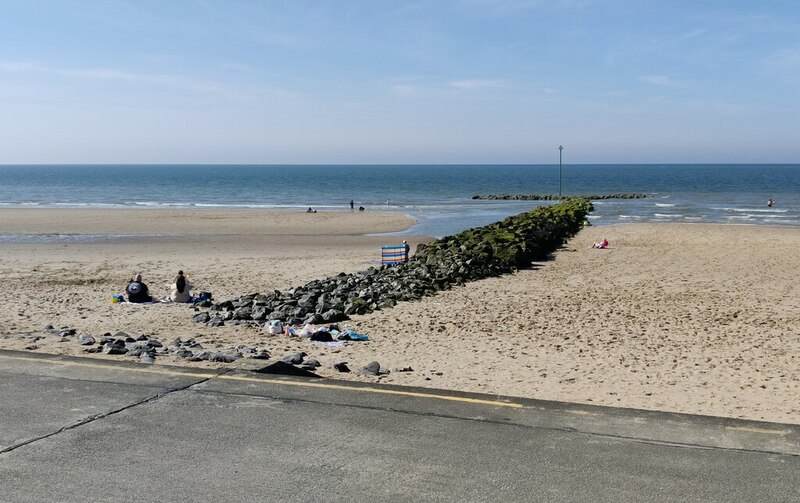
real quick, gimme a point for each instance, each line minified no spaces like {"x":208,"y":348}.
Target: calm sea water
{"x":438,"y":196}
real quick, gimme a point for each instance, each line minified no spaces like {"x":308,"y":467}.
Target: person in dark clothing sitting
{"x":137,"y":290}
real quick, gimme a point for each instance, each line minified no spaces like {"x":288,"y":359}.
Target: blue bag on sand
{"x":353,"y":336}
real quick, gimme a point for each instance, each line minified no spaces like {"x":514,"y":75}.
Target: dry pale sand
{"x":691,"y":318}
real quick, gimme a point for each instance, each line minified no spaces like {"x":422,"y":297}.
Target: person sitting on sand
{"x":180,"y":289}
{"x":137,"y":290}
{"x":601,"y":244}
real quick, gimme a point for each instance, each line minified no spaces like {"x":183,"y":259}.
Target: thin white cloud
{"x":471,"y":84}
{"x":110,"y":74}
{"x":787,"y":58}
{"x":17,"y":66}
{"x":512,"y":6}
{"x":403,"y":90}
{"x":660,"y":80}
{"x":694,"y":33}
{"x":174,"y":81}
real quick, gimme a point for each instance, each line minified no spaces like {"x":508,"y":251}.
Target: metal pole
{"x":560,"y":148}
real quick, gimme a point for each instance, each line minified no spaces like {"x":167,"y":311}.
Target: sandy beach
{"x":690,"y":318}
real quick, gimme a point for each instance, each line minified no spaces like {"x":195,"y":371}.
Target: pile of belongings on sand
{"x":313,"y":333}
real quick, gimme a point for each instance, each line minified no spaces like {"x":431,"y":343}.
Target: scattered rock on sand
{"x":341,"y":367}
{"x":182,"y":353}
{"x":294,"y":359}
{"x":223,"y":357}
{"x":199,"y":357}
{"x":216,"y":322}
{"x":371,"y":368}
{"x":135,"y":351}
{"x":113,"y":348}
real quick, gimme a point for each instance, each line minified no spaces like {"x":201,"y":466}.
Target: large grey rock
{"x":182,"y":353}
{"x":261,"y":354}
{"x":315,"y":319}
{"x":199,"y":357}
{"x":112,"y":349}
{"x":371,"y":368}
{"x":216,"y":322}
{"x":223,"y":357}
{"x":135,"y":351}
{"x":294,"y":359}
{"x":86,"y":340}
{"x":334,"y":315}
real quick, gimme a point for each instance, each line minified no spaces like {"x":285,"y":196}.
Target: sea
{"x":439,"y":197}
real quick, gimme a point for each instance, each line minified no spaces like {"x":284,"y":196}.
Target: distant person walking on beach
{"x":352,"y":205}
{"x":180,"y":289}
{"x":137,"y":290}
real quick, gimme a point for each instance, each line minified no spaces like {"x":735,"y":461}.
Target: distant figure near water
{"x":406,"y":250}
{"x":352,"y":205}
{"x":360,"y":208}
{"x":311,"y":210}
{"x":770,"y":202}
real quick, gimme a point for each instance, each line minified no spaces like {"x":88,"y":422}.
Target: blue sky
{"x":440,"y":81}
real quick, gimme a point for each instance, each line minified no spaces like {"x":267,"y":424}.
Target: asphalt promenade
{"x":78,"y":430}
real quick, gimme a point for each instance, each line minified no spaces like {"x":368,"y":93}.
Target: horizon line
{"x":720,"y":163}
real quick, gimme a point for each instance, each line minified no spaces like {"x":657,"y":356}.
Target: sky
{"x":422,"y":82}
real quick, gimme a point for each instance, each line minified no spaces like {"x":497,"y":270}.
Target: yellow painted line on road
{"x":142,"y":370}
{"x":758,"y":430}
{"x":580,"y":412}
{"x":414,"y":394}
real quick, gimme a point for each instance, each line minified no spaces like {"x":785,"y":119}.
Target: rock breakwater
{"x":554,"y":197}
{"x":477,"y":253}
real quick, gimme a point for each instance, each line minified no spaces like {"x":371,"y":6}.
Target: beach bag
{"x":307,"y":330}
{"x":275,"y":327}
